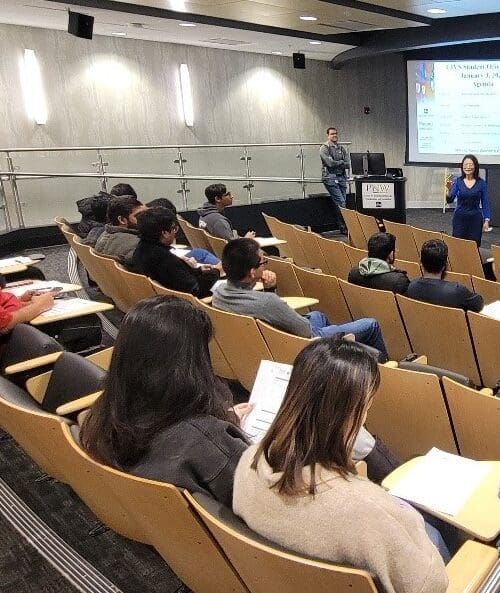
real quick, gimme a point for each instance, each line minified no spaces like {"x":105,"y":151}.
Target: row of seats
{"x":209,"y":548}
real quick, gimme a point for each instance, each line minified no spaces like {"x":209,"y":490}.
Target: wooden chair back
{"x":137,"y":287}
{"x":354,"y":254}
{"x":310,"y":246}
{"x":61,"y":222}
{"x":216,"y":244}
{"x":442,"y":334}
{"x":241,"y":343}
{"x":155,"y":513}
{"x":406,"y":247}
{"x":380,"y":304}
{"x":463,"y":256}
{"x":356,"y":235}
{"x":221,"y":366}
{"x":275,"y":227}
{"x":194,"y":235}
{"x":35,"y":431}
{"x":287,"y":283}
{"x":106,"y":274}
{"x":476,"y":418}
{"x":284,"y":347}
{"x":265,"y":567}
{"x":294,"y":244}
{"x":412,"y":268}
{"x":485,"y":333}
{"x":488,"y":289}
{"x":409,"y":413}
{"x":337,"y":260}
{"x":368,"y":224}
{"x":463,"y":279}
{"x":495,"y":254}
{"x":326,"y":289}
{"x":422,"y":235}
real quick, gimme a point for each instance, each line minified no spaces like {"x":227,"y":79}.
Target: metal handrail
{"x":29,"y":175}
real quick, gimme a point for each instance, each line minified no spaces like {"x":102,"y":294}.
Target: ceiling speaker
{"x":299,"y":61}
{"x":80,"y":25}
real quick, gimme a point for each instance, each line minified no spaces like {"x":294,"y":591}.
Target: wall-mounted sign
{"x":377,"y":195}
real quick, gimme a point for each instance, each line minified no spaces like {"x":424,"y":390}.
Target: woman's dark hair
{"x":123,"y":189}
{"x":330,"y":389}
{"x":473,"y":158}
{"x":152,"y":222}
{"x":160,"y":374}
{"x":239,"y":256}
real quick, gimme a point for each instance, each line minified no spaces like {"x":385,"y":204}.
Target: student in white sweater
{"x":299,"y":487}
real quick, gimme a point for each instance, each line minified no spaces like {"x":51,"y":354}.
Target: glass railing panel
{"x":59,"y":161}
{"x":43,"y":199}
{"x":196,"y":193}
{"x":265,"y":191}
{"x":312,"y":162}
{"x":150,"y":189}
{"x":274,"y":161}
{"x":213,"y":161}
{"x":158,"y":161}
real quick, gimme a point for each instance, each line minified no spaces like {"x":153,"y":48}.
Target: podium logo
{"x":378,"y":188}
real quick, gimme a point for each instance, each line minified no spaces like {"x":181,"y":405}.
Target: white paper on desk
{"x":266,"y":241}
{"x":13,"y":261}
{"x":267,"y":394}
{"x":441,"y":481}
{"x":492,"y":310}
{"x":63,"y":306}
{"x":179,"y":252}
{"x":20,"y":290}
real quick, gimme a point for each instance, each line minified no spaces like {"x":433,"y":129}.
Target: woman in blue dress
{"x":472,"y":212}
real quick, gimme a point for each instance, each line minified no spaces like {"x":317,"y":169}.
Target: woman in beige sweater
{"x":299,"y":487}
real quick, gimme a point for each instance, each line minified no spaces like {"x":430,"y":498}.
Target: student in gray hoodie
{"x":377,"y":270}
{"x":211,"y":218}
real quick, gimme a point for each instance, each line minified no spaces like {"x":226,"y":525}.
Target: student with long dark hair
{"x":300,"y":488}
{"x":163,"y":414}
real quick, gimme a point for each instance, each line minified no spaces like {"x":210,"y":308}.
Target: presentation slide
{"x":453,"y":109}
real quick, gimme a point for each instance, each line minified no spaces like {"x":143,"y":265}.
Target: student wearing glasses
{"x":157,"y":230}
{"x":244,"y":263}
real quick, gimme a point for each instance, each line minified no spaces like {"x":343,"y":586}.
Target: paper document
{"x":267,"y":394}
{"x":20,"y":290}
{"x":492,"y":310}
{"x":63,"y":306}
{"x":266,"y":241}
{"x":14,"y":261}
{"x":441,"y":481}
{"x":179,"y":252}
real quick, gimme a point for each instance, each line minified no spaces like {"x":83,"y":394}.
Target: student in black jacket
{"x":433,"y":289}
{"x":152,"y":257}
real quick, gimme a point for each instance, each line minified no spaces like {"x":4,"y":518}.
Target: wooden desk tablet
{"x":92,"y":307}
{"x":269,"y":241}
{"x":299,"y":302}
{"x":480,"y":515}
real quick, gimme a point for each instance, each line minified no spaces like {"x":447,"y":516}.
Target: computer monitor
{"x":368,"y":163}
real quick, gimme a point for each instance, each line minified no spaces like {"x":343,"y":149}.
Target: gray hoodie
{"x":214,"y":222}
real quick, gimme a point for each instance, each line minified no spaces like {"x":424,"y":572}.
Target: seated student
{"x":202,"y":256}
{"x":211,"y":217}
{"x":432,"y":288}
{"x":377,"y":270}
{"x":166,"y":417}
{"x":152,"y":257}
{"x":99,"y":209}
{"x":14,"y":310}
{"x":120,"y":237}
{"x":88,"y":217}
{"x":123,"y":189}
{"x":300,"y":489}
{"x":244,"y":264}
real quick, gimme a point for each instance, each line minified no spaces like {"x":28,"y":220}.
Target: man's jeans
{"x":366,"y":330}
{"x":337,"y":188}
{"x":202,"y":256}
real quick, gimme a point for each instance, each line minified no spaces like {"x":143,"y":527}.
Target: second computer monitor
{"x":368,"y":163}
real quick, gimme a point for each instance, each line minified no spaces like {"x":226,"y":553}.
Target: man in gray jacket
{"x":120,"y":237}
{"x":334,"y":163}
{"x":211,"y":217}
{"x":244,"y":263}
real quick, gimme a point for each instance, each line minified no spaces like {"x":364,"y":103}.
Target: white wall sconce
{"x":186,"y":94}
{"x":31,"y":81}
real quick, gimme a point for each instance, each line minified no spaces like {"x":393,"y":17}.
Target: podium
{"x":382,"y":197}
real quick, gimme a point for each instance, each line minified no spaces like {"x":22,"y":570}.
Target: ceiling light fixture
{"x":308,"y":18}
{"x":315,"y":42}
{"x":436,"y":10}
{"x":187,"y":25}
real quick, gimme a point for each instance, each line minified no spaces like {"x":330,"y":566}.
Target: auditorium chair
{"x":286,"y":280}
{"x":463,"y":279}
{"x":266,"y":567}
{"x":368,"y":224}
{"x":423,"y":235}
{"x":381,"y":305}
{"x":356,"y":236}
{"x":314,"y":256}
{"x":137,"y":287}
{"x":275,"y":227}
{"x":485,"y":333}
{"x":337,"y":260}
{"x":412,"y":268}
{"x":488,"y":289}
{"x":476,"y":420}
{"x":193,"y":234}
{"x":295,"y":248}
{"x":283,"y":346}
{"x":463,"y":256}
{"x":104,"y":272}
{"x":406,"y":247}
{"x":216,"y":244}
{"x":355,"y":254}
